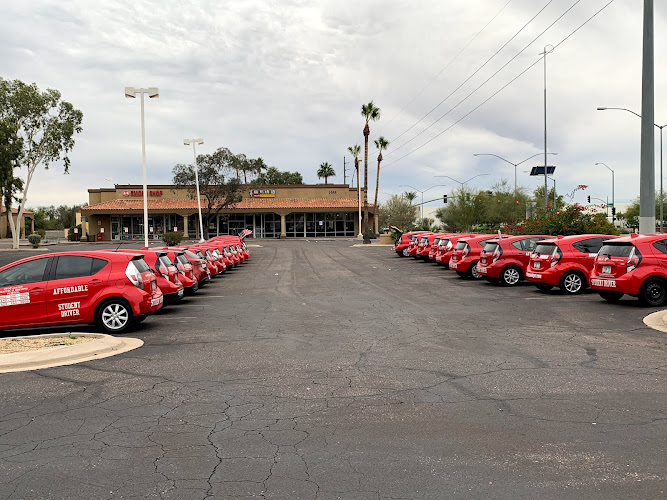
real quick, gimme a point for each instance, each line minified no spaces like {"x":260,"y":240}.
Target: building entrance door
{"x":115,"y":228}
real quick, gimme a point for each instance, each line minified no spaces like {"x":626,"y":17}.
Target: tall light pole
{"x":131,"y":93}
{"x":661,"y":190}
{"x":194,"y":143}
{"x":515,"y":164}
{"x":613,"y":204}
{"x":422,"y":193}
{"x":464,"y":182}
{"x":547,"y":50}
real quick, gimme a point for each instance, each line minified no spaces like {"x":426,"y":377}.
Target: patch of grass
{"x":73,"y":337}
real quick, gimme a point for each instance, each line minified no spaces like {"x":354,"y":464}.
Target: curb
{"x":103,"y":347}
{"x":657,"y":321}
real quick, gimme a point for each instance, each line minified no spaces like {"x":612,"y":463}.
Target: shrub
{"x":41,"y":232}
{"x":71,"y":235}
{"x":34,"y":239}
{"x":171,"y":239}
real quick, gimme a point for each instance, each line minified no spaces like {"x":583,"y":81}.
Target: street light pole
{"x":422,"y":193}
{"x":661,"y":187}
{"x":462,"y":183}
{"x":613,"y":204}
{"x":507,"y":161}
{"x":546,"y":51}
{"x":194,"y":142}
{"x":131,"y":93}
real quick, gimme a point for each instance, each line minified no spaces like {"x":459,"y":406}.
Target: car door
{"x":74,"y":284}
{"x":23,"y":294}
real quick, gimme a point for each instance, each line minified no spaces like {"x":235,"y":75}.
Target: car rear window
{"x":545,"y":248}
{"x":490,"y":247}
{"x":460,"y":245}
{"x":164,"y":260}
{"x":436,"y":241}
{"x":443,"y":242}
{"x":141,"y":265}
{"x":617,"y":249}
{"x":181,"y":258}
{"x":424,"y":239}
{"x":192,"y":255}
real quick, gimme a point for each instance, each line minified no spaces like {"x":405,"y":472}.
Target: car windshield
{"x":490,"y":247}
{"x":617,"y":249}
{"x":460,"y":245}
{"x":545,"y":248}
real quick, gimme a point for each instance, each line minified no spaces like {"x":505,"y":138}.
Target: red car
{"x":213,"y":261}
{"x":166,"y":273}
{"x":503,"y":260}
{"x":433,"y":250}
{"x":413,"y":247}
{"x":186,"y":273}
{"x":565,"y":261}
{"x":113,"y":290}
{"x":446,"y":247}
{"x":634,"y":265}
{"x":403,"y":240}
{"x":198,"y":262}
{"x":236,"y":243}
{"x":425,"y":244}
{"x":466,"y":255}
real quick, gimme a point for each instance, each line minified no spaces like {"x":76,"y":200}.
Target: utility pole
{"x":548,"y":49}
{"x":344,"y":172}
{"x":647,"y":158}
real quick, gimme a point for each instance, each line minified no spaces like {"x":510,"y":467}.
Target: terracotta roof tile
{"x":247,"y":204}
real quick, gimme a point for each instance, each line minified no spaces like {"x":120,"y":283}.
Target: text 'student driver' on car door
{"x":23,"y":292}
{"x":74,"y":283}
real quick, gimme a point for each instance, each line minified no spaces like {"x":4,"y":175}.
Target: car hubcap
{"x":572,"y":283}
{"x":474,"y":273}
{"x":511,"y":276}
{"x":405,"y":252}
{"x":115,"y":316}
{"x":655,"y":293}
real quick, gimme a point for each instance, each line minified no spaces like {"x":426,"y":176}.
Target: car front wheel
{"x":653,"y":292}
{"x":405,"y":252}
{"x":114,"y":316}
{"x":572,"y":282}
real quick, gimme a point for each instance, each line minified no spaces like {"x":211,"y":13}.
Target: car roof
{"x":639,"y":238}
{"x":518,"y":237}
{"x":575,"y":238}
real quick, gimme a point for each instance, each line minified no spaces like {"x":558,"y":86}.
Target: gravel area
{"x":23,"y":344}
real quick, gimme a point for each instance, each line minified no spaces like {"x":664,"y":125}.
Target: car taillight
{"x":497,"y":253}
{"x":633,"y":261}
{"x":192,"y":275}
{"x":134,"y":276}
{"x":153,"y":286}
{"x":555,"y":257}
{"x":466,"y":251}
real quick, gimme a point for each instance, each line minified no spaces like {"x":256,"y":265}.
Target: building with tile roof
{"x":293,"y":211}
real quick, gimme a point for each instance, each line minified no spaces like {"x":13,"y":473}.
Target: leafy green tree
{"x":504,"y":205}
{"x":326,"y":171}
{"x":381,"y":144}
{"x":45,"y":123}
{"x":538,"y":196}
{"x":570,"y":219}
{"x":465,"y":210}
{"x":399,"y":212}
{"x":218,"y":185}
{"x":370,"y":112}
{"x":631,"y":215}
{"x":11,"y":147}
{"x":272,"y":176}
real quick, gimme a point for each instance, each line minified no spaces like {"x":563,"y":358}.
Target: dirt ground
{"x":23,"y":344}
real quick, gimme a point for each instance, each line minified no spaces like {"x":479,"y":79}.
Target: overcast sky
{"x":285,"y":80}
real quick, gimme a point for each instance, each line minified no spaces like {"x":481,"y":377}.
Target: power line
{"x":472,"y":75}
{"x":500,"y":89}
{"x":447,"y":66}
{"x":488,"y":79}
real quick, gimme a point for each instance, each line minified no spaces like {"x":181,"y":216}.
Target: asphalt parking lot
{"x":318,"y":370}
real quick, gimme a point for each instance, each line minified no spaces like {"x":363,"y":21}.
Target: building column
{"x":283,"y":225}
{"x":376,"y":218}
{"x":185,"y":226}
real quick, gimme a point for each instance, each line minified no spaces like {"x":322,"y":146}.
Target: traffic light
{"x":589,"y":198}
{"x":444,"y":198}
{"x":613,"y":210}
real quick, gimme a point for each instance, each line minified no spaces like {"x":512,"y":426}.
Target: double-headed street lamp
{"x":613,"y":205}
{"x":515,"y":164}
{"x":194,"y":143}
{"x":422,"y":193}
{"x":131,"y":93}
{"x":464,"y":182}
{"x":660,"y":127}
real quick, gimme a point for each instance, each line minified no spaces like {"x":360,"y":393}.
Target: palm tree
{"x":410,"y":196}
{"x":326,"y":171}
{"x":380,"y":143}
{"x":354,"y":151}
{"x":370,"y":112}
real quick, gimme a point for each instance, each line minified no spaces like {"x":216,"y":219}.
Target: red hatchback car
{"x":403,"y":241}
{"x":503,"y":260}
{"x":113,"y":290}
{"x":565,"y":261}
{"x":166,"y":273}
{"x":466,"y":255}
{"x":426,"y":243}
{"x":634,"y":265}
{"x":446,"y":247}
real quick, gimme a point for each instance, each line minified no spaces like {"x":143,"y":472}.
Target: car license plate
{"x":481,"y":270}
{"x":606,"y":269}
{"x":452,"y":265}
{"x":536,"y":264}
{"x":157,"y":301}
